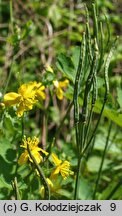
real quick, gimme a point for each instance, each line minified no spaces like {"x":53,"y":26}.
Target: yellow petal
{"x":65,"y":169}
{"x":27,"y":90}
{"x":49,"y":182}
{"x":40,"y":94}
{"x":23,"y":158}
{"x":11,"y":98}
{"x":56,"y":171}
{"x":43,"y":151}
{"x":56,"y":83}
{"x":64,"y":83}
{"x":55,"y":159}
{"x":59,"y":93}
{"x":20,"y":110}
{"x":37,"y":156}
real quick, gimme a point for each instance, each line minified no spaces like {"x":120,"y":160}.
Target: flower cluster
{"x":28,"y":94}
{"x":33,"y":145}
{"x":61,"y":167}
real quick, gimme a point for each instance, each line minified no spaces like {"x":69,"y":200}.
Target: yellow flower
{"x":33,"y":144}
{"x":59,"y":85}
{"x":61,"y":167}
{"x":28,"y":94}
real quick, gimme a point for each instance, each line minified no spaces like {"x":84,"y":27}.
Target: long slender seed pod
{"x":108,"y":59}
{"x":101,"y":61}
{"x":95,"y":27}
{"x":88,"y":37}
{"x":107,"y":63}
{"x":89,"y":82}
{"x":78,"y":79}
{"x":41,"y":174}
{"x":94,"y":98}
{"x":79,"y":76}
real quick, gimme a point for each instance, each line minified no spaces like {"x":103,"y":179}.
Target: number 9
{"x":113,"y":206}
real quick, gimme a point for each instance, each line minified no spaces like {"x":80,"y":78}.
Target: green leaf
{"x":66,"y":66}
{"x":64,"y":193}
{"x":4,"y":184}
{"x":100,"y":145}
{"x":85,"y":190}
{"x":5,"y":145}
{"x":93,"y":164}
{"x":75,"y":56}
{"x":109,"y":113}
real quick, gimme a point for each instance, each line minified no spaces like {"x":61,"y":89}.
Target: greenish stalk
{"x":102,"y":161}
{"x":88,"y":37}
{"x":88,"y":126}
{"x":51,"y":144}
{"x":8,"y":80}
{"x":41,"y":174}
{"x":16,"y":189}
{"x":95,"y":27}
{"x":1,"y":11}
{"x":91,"y":148}
{"x":107,"y":63}
{"x":89,"y":82}
{"x":11,"y":15}
{"x":108,"y":59}
{"x":22,"y":135}
{"x":94,"y":132}
{"x":94,"y":98}
{"x":79,"y":75}
{"x":22,"y":120}
{"x":101,"y":47}
{"x":77,"y":178}
{"x":78,"y":79}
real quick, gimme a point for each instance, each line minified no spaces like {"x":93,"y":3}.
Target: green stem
{"x":22,"y":127}
{"x":77,"y":178}
{"x":16,"y":189}
{"x":101,"y":47}
{"x":0,"y":11}
{"x":102,"y":161}
{"x":11,"y":16}
{"x":42,"y":176}
{"x":95,"y":27}
{"x":95,"y":130}
{"x":17,"y":148}
{"x":9,"y":77}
